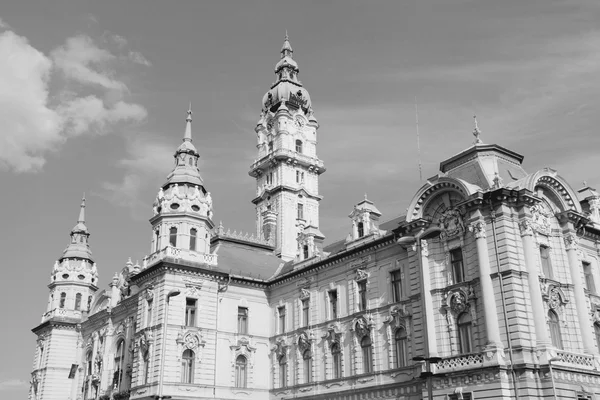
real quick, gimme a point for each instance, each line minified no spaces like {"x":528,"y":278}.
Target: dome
{"x":286,"y":61}
{"x":289,"y":92}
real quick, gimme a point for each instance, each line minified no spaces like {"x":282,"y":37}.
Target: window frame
{"x":191,"y":310}
{"x":597,"y":334}
{"x":299,"y":146}
{"x":149,"y":309}
{"x":305,"y":303}
{"x":281,"y":313}
{"x":360,"y":228}
{"x":63,"y":300}
{"x":173,"y":236}
{"x":187,"y":366}
{"x":119,"y":360}
{"x":78,"y":302}
{"x":464,"y":325}
{"x":401,"y":350}
{"x":241,"y":372}
{"x":300,"y":211}
{"x":307,"y":365}
{"x":336,"y":359}
{"x":361,"y":287}
{"x":588,"y":275}
{"x":242,"y":320}
{"x":282,"y":371}
{"x":193,"y":239}
{"x":397,"y":285}
{"x":333,"y":304}
{"x":457,"y":265}
{"x":366,"y":345}
{"x":555,"y":332}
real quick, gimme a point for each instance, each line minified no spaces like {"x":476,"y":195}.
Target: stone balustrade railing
{"x":460,"y":363}
{"x":61,"y":313}
{"x":575,"y":360}
{"x":292,"y":155}
{"x":179,"y":254}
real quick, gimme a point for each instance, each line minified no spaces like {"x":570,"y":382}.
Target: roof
{"x":246,"y":260}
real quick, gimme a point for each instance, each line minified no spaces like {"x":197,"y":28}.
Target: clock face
{"x":299,"y":122}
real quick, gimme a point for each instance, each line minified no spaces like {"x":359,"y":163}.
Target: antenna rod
{"x":418,"y":140}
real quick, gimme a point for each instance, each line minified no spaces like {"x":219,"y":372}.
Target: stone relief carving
{"x":304,"y":294}
{"x":361,"y":275}
{"x":571,"y":241}
{"x":478,"y":229}
{"x":451,"y":224}
{"x":540,"y":218}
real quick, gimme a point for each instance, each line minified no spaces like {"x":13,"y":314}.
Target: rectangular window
{"x":333,"y":304}
{"x":242,"y":320}
{"x":149,"y":313}
{"x":458,"y":270}
{"x":297,"y":176}
{"x":589,"y":277}
{"x":546,"y":265}
{"x":190,"y":312}
{"x":305,"y":311}
{"x":281,"y":313}
{"x":396,"y":277}
{"x":300,"y":211}
{"x":362,"y":295}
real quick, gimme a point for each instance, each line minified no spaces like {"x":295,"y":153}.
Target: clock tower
{"x":287,"y":168}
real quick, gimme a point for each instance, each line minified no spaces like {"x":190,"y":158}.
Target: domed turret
{"x":79,"y":247}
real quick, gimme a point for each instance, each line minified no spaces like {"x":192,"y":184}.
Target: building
{"x":485,"y":289}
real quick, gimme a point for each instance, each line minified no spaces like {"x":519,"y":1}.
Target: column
{"x":533,"y":280}
{"x":571,"y":244}
{"x":487,"y":288}
{"x":423,"y":255}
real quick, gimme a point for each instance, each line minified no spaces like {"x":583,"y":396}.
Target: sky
{"x":93,"y":98}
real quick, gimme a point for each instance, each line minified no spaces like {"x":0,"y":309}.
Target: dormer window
{"x":361,"y":229}
{"x":298,"y":146}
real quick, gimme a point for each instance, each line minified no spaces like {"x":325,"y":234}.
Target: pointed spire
{"x":476,"y":132}
{"x":82,"y":211}
{"x":188,"y":125}
{"x":286,"y":49}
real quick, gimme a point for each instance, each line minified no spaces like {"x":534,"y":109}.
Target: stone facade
{"x":486,"y":289}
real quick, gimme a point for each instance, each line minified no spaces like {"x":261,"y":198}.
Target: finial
{"x":476,"y":132}
{"x":188,"y":125}
{"x":286,"y":35}
{"x":82,"y":210}
{"x":585,"y":184}
{"x":365,"y":195}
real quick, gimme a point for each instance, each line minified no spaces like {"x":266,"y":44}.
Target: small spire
{"x":365,"y":195}
{"x":286,"y":49}
{"x":82,"y":210}
{"x":188,"y":125}
{"x":476,"y":132}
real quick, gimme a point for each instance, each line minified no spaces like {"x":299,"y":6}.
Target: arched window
{"x":157,"y":240}
{"x":597,"y":332}
{"x":298,"y":146}
{"x":187,"y":367}
{"x":173,"y":236}
{"x":283,"y":371}
{"x":63,"y":298}
{"x":336,"y":353}
{"x":146,"y":366}
{"x":401,"y":348}
{"x":307,"y":358}
{"x":270,"y":146}
{"x":465,"y":336}
{"x":88,"y":363}
{"x":78,"y":301}
{"x":241,"y":378}
{"x":190,"y":161}
{"x":367,"y":353}
{"x":554,"y":325}
{"x":305,"y":251}
{"x":361,"y":229}
{"x":193,"y":233}
{"x":119,"y":359}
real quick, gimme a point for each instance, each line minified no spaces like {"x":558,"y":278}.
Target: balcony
{"x":61,"y":313}
{"x":179,"y":254}
{"x":313,"y":163}
{"x":462,"y":362}
{"x":575,"y":360}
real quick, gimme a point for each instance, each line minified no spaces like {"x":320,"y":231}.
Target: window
{"x":554,"y":324}
{"x":89,"y":303}
{"x":465,"y":336}
{"x":458,"y":271}
{"x":401,"y":348}
{"x":297,"y":176}
{"x":361,"y":229}
{"x":173,"y":236}
{"x":597,"y":332}
{"x":270,"y":178}
{"x":367,"y":354}
{"x":193,"y":234}
{"x":88,"y":363}
{"x":305,"y":251}
{"x":546,"y":265}
{"x":241,"y":380}
{"x":396,"y":277}
{"x":78,"y":301}
{"x":242,"y":320}
{"x":282,"y":371}
{"x":307,"y":363}
{"x":298,"y":146}
{"x":157,"y":240}
{"x":190,"y":312}
{"x":336,"y":353}
{"x":187,"y":367}
{"x":300,"y":211}
{"x":362,"y":295}
{"x":146,"y":366}
{"x":333,"y":304}
{"x":281,"y":313}
{"x":271,"y":146}
{"x":305,"y":311}
{"x":589,"y":277}
{"x":119,"y":359}
{"x":63,"y":298}
{"x":149,"y":313}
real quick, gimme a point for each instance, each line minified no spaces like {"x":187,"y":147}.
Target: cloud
{"x":4,"y":25}
{"x":10,"y":384}
{"x":36,"y":121}
{"x":138,"y":58}
{"x":147,"y":162}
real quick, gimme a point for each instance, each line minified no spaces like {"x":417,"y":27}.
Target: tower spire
{"x":188,"y":125}
{"x":82,"y":211}
{"x":286,"y":49}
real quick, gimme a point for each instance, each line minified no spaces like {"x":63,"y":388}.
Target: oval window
{"x":65,"y":276}
{"x":195,"y":208}
{"x":81,"y":277}
{"x":174,"y":206}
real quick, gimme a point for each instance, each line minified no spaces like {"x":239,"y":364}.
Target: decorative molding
{"x":571,"y":241}
{"x":361,"y":275}
{"x":451,"y":224}
{"x":540,"y":218}
{"x":526,"y":228}
{"x":477,"y":228}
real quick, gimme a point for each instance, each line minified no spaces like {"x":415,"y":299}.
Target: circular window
{"x":81,"y":277}
{"x":174,"y":206}
{"x":65,"y":276}
{"x":195,"y":208}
